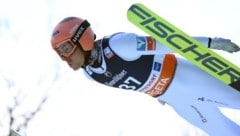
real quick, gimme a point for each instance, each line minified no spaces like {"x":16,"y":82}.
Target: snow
{"x":77,"y":106}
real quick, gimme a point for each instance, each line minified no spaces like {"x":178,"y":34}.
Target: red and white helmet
{"x":74,"y":30}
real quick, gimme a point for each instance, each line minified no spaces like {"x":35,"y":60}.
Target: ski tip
{"x":133,"y":9}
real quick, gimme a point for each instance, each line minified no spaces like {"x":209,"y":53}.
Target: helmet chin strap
{"x":93,"y":57}
{"x":87,"y":59}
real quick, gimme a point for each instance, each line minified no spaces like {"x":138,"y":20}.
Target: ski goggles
{"x":66,"y":49}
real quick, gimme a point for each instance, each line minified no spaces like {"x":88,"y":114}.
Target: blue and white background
{"x":30,"y":70}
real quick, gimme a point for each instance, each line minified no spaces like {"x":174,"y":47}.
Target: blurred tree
{"x":17,"y":107}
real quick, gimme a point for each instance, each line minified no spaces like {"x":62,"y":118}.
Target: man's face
{"x":71,"y":54}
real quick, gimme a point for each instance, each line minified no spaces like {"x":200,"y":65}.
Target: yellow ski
{"x":174,"y":38}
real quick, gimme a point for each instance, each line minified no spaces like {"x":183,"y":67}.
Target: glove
{"x":224,"y":44}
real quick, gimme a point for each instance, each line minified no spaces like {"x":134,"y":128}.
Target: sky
{"x":77,"y":106}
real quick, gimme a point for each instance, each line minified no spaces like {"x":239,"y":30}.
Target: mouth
{"x":69,"y":64}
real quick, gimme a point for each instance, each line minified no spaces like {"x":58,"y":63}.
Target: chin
{"x":76,"y":68}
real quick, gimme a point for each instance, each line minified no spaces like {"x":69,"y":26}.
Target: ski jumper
{"x":140,"y":63}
